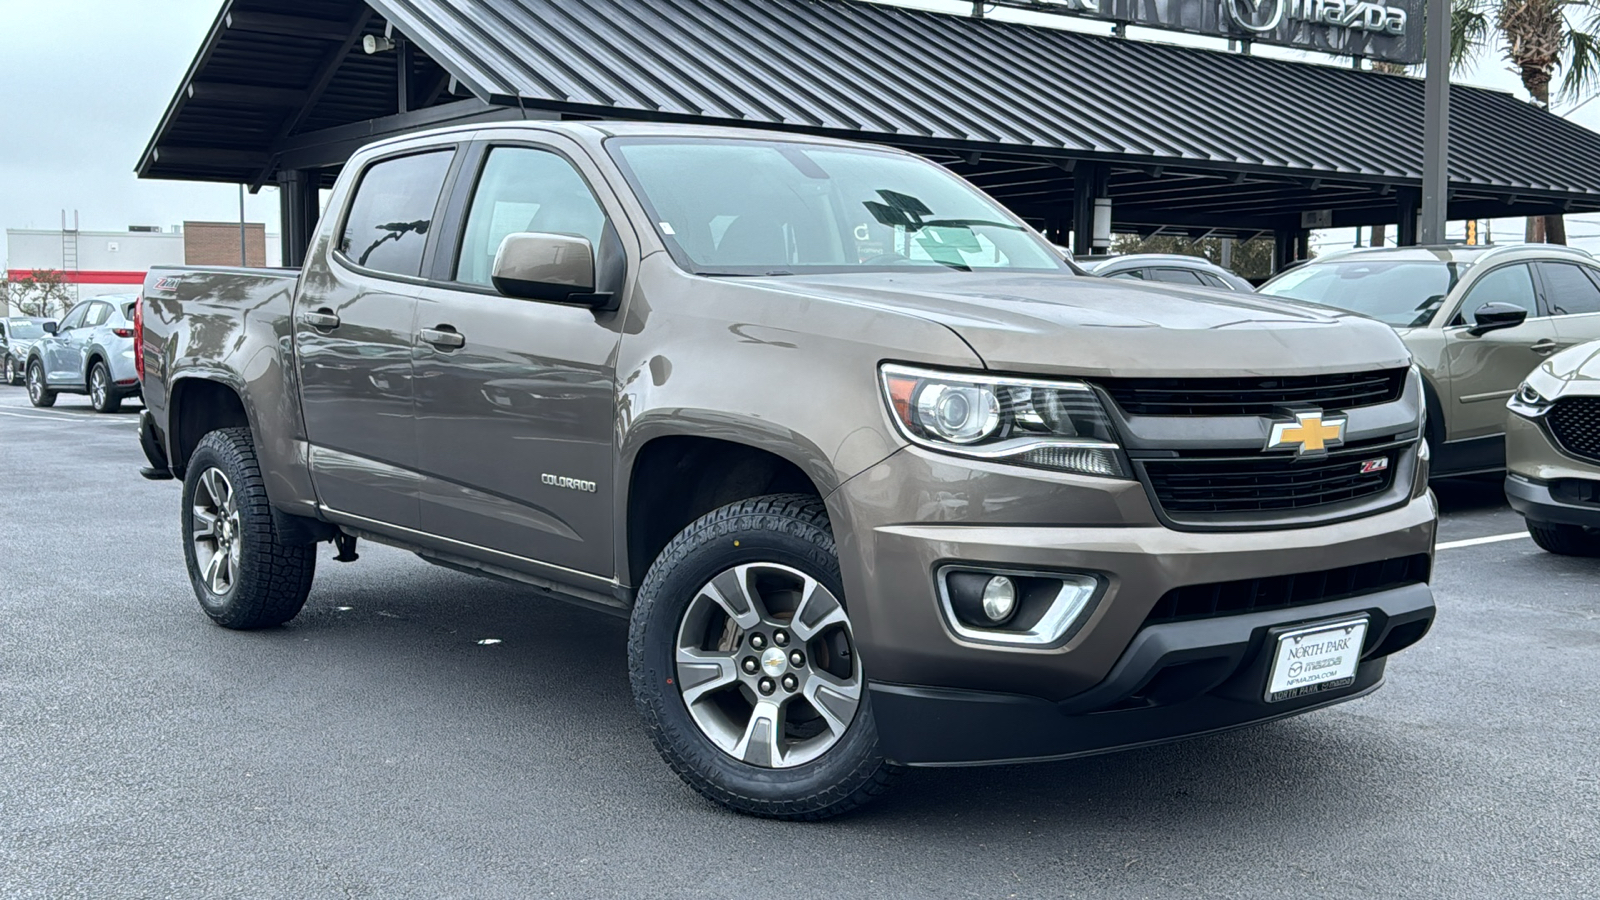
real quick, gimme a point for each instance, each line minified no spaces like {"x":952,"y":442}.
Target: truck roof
{"x":604,"y":128}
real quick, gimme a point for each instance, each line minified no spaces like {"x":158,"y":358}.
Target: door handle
{"x":444,"y":337}
{"x":1545,"y":347}
{"x":322,"y":318}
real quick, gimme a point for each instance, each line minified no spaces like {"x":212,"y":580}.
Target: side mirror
{"x":556,"y":268}
{"x":1495,"y":316}
{"x":50,"y":328}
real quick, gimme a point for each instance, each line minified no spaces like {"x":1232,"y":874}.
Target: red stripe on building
{"x":87,"y":277}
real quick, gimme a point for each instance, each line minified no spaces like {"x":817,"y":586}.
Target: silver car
{"x":1171,"y":268}
{"x":89,"y":352}
{"x":17,"y":334}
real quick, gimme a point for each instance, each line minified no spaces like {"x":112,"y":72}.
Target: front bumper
{"x":1568,"y":501}
{"x":1130,"y":673}
{"x":1543,"y":483}
{"x":1174,"y":681}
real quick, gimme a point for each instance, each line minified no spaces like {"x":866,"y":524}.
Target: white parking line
{"x":66,"y":417}
{"x":1491,"y":539}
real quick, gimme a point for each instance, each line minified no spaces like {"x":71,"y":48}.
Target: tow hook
{"x":346,"y":545}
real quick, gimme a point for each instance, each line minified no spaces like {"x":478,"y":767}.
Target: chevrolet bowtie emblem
{"x":1309,"y":432}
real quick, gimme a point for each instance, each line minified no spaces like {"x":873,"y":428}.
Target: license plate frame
{"x":1301,"y":666}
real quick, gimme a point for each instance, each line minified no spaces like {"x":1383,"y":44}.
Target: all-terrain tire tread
{"x":275,"y":588}
{"x":800,"y":515}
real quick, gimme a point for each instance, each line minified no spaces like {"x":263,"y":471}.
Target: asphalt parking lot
{"x":374,"y":748}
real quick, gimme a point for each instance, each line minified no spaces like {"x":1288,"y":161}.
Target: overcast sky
{"x":85,"y":82}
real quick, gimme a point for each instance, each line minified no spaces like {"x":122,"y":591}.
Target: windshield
{"x":1401,"y":293}
{"x":748,"y":207}
{"x":25,"y":330}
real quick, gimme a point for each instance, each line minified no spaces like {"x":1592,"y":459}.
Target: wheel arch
{"x":673,"y":479}
{"x":97,"y":355}
{"x":199,"y":405}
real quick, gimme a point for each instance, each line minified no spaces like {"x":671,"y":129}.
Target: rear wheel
{"x":243,"y":573}
{"x":744,"y":664}
{"x":39,"y":394}
{"x":1567,"y":540}
{"x":102,"y":394}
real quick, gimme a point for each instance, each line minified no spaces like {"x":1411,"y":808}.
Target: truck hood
{"x":1082,"y":325}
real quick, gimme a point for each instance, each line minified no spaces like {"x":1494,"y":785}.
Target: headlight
{"x":1057,"y":425}
{"x":1527,"y":401}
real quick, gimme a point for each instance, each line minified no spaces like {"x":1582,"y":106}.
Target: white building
{"x":94,"y":263}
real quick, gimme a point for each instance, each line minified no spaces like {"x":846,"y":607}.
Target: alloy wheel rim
{"x":767,"y":665}
{"x":217,"y":535}
{"x":97,"y":387}
{"x":35,"y":382}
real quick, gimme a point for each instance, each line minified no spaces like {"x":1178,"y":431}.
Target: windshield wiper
{"x":773,"y":273}
{"x":969,"y":223}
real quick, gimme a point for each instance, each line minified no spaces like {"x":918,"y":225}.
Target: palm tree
{"x":1539,"y":38}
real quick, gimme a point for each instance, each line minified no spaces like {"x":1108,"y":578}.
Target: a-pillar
{"x":1089,"y":183}
{"x":299,"y":207}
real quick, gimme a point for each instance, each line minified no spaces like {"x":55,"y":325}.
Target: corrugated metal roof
{"x":900,"y":74}
{"x":1192,"y":138}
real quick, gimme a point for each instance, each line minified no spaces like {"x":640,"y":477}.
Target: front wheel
{"x":102,"y":394}
{"x":745,"y":669}
{"x":39,"y":393}
{"x":244,"y":574}
{"x":1567,"y":540}
{"x":11,"y":372}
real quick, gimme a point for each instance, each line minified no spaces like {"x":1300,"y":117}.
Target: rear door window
{"x":98,"y":313}
{"x":1568,"y":289}
{"x":386,"y":229}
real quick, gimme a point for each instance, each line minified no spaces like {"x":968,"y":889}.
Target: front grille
{"x":1228,"y":598}
{"x":1575,"y":422}
{"x":1265,"y":483}
{"x":1253,"y":396}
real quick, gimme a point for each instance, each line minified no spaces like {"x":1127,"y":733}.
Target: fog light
{"x":1020,"y":609}
{"x":999,"y":599}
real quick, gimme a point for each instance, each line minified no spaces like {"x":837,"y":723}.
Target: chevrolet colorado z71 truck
{"x":878,"y":478}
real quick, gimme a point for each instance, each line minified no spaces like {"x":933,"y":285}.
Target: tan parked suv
{"x":1553,"y":452}
{"x":1476,"y":319}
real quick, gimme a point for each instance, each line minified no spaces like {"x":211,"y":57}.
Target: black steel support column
{"x":1089,"y":181}
{"x":403,"y":60}
{"x":1289,"y":245}
{"x":1408,"y":201}
{"x":299,"y":208}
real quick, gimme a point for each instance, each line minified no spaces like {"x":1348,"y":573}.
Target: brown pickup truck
{"x":879,"y":479}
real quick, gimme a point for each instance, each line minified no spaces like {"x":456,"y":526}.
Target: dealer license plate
{"x":1320,"y":657}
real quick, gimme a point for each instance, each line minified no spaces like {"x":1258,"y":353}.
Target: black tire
{"x":103,"y":394}
{"x":273,"y":578}
{"x":39,"y":393}
{"x":13,"y":377}
{"x":790,"y":530}
{"x":1567,"y":540}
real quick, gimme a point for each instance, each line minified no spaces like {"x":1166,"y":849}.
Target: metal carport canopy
{"x":1177,"y":136}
